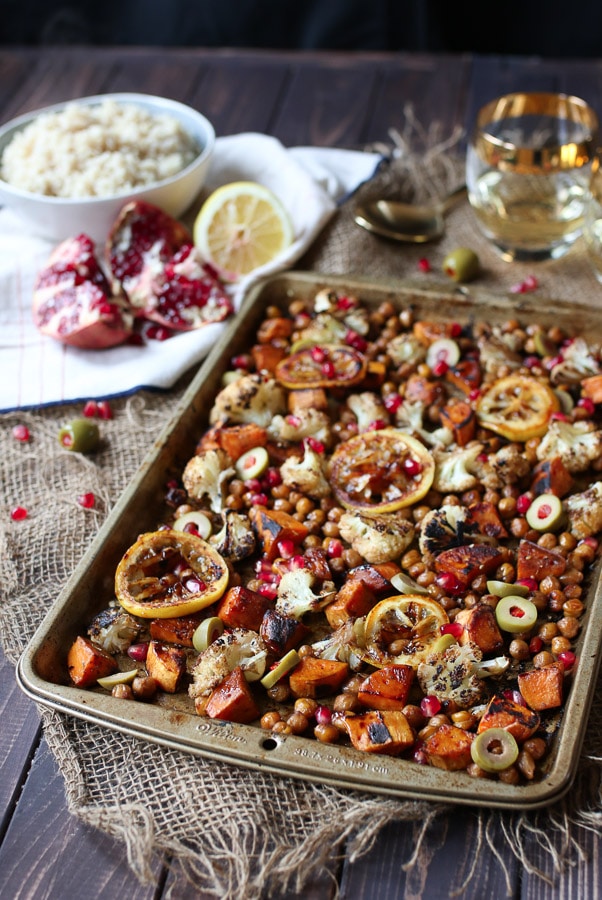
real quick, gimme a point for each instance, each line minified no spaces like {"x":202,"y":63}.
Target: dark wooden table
{"x":321,"y":99}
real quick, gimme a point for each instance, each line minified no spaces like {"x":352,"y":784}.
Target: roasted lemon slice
{"x":323,"y":365}
{"x":381,"y":471}
{"x":402,"y":630}
{"x":169,"y":573}
{"x":517,"y":407}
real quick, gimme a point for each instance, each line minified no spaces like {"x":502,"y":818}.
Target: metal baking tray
{"x":42,"y":672}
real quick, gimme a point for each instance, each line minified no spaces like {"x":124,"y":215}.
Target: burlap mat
{"x":240,"y":833}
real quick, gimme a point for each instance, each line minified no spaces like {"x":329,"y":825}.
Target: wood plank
{"x":47,"y":854}
{"x":19,"y":738}
{"x":444,"y":867}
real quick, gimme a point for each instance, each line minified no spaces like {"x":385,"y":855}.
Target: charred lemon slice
{"x":169,"y":573}
{"x":381,"y":471}
{"x":325,"y":365}
{"x":402,"y":630}
{"x":517,"y":407}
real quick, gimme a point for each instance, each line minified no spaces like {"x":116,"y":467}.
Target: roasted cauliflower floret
{"x":578,"y":361}
{"x":342,"y":644}
{"x":406,"y":348}
{"x":455,"y":469}
{"x":378,"y":539}
{"x":114,"y":630}
{"x":296,"y":596}
{"x":367,"y":408}
{"x":457,"y":674}
{"x":307,"y":474}
{"x":253,"y":397}
{"x":585,"y":511}
{"x":238,"y":647}
{"x":324,"y":329}
{"x":236,"y":539}
{"x":306,"y":423}
{"x":578,"y":444}
{"x":409,"y":417}
{"x":448,"y":526}
{"x":498,"y":349}
{"x":205,"y":476}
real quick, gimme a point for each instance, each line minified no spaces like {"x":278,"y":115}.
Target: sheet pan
{"x":42,"y":672}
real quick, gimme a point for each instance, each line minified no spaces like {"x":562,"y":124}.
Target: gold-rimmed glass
{"x":528,"y":168}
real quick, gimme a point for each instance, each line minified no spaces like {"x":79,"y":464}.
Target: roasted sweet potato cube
{"x":480,"y":628}
{"x":513,"y":717}
{"x":592,"y":388}
{"x":380,"y":731}
{"x":317,"y":563}
{"x":387,"y":688}
{"x":353,"y":599}
{"x":177,"y":630}
{"x":267,"y":356}
{"x":468,"y":561}
{"x":376,"y":372}
{"x":241,"y":607}
{"x":449,"y":748}
{"x":237,"y":439}
{"x":274,"y":328}
{"x":551,"y":476}
{"x":460,"y":418}
{"x":543,"y":688}
{"x":373,"y":577}
{"x":282,"y":633}
{"x":533,"y":561}
{"x":466,"y":375}
{"x":166,"y":663}
{"x":423,"y":390}
{"x":232,"y":700}
{"x":87,"y":663}
{"x":314,"y":677}
{"x":308,"y":398}
{"x":488,"y":521}
{"x":273,"y":526}
{"x":427,"y":330}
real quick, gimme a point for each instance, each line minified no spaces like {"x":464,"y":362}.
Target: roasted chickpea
{"x":269,"y":719}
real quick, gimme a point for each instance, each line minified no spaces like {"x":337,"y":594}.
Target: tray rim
{"x":246,"y":745}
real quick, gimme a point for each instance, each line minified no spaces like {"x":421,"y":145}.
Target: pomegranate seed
{"x":87,"y":500}
{"x":345,"y":303}
{"x":535,"y":645}
{"x":286,"y":549}
{"x":419,"y":754}
{"x":529,"y":583}
{"x":316,"y":445}
{"x":514,"y":696}
{"x":449,"y":583}
{"x":424,"y":265}
{"x":567,"y":658}
{"x":430,"y":706}
{"x":355,"y":340}
{"x":259,"y":499}
{"x":91,"y":409}
{"x":242,"y":361}
{"x":135,"y":340}
{"x":138,"y":652}
{"x":104,"y":409}
{"x":440,"y":368}
{"x":559,"y":417}
{"x":554,"y":361}
{"x":18,"y":513}
{"x":392,"y":402}
{"x":21,"y":433}
{"x":531,"y":282}
{"x":328,"y":369}
{"x":298,"y":562}
{"x":253,"y":485}
{"x":377,"y":424}
{"x":334,"y":549}
{"x":195,"y":585}
{"x":268,"y":590}
{"x":455,"y":330}
{"x":474,"y":394}
{"x":323,"y":715}
{"x":523,"y":503}
{"x":587,"y":404}
{"x":158,"y":333}
{"x":318,"y":354}
{"x":483,"y":457}
{"x":454,"y":628}
{"x":190,"y":528}
{"x":531,"y":361}
{"x":591,"y":541}
{"x":272,"y":478}
{"x":412,"y":467}
{"x":293,"y":421}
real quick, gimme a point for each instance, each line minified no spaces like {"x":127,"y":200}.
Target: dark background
{"x":553,"y":29}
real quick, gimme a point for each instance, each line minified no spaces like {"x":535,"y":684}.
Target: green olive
{"x":461,"y":264}
{"x":196,"y":518}
{"x":206,"y":633}
{"x":109,"y":681}
{"x":515,"y":614}
{"x":503,"y":589}
{"x":494,"y":750}
{"x":288,"y":662}
{"x":252,"y":464}
{"x":546,"y":513}
{"x":80,"y":435}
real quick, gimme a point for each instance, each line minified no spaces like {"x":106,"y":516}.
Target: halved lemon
{"x":241,"y":226}
{"x":381,"y":471}
{"x":169,"y":573}
{"x":327,"y":365}
{"x":517,"y":407}
{"x":402,"y":630}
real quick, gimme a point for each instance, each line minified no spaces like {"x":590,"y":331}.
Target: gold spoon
{"x":406,"y":221}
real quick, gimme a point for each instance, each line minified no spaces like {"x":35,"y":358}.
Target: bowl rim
{"x":155,"y":101}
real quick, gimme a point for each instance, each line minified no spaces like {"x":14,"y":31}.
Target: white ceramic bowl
{"x":57,"y":218}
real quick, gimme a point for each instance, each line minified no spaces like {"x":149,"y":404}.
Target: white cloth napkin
{"x":38,"y":371}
